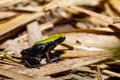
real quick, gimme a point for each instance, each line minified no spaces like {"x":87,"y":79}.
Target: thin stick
{"x":8,"y":3}
{"x":111,"y":73}
{"x":27,"y":9}
{"x":99,"y":73}
{"x":12,"y":59}
{"x":32,"y":18}
{"x":67,"y":65}
{"x":10,"y":63}
{"x":6,"y":15}
{"x":94,"y":14}
{"x":81,"y":53}
{"x":46,"y":25}
{"x":14,"y":75}
{"x":42,"y":27}
{"x":34,"y":33}
{"x":91,"y":13}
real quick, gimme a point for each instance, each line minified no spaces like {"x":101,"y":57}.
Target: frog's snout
{"x":24,"y":52}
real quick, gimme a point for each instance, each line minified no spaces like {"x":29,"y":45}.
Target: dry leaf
{"x":93,"y":40}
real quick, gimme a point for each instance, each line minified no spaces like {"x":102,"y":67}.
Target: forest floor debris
{"x":90,"y":50}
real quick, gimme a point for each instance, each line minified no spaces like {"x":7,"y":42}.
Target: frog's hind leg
{"x":31,"y":62}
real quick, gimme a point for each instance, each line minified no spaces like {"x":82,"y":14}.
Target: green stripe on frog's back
{"x":52,"y":38}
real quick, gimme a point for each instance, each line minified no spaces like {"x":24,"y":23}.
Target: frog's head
{"x":59,"y":39}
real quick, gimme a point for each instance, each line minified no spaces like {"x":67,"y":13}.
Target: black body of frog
{"x":32,"y":57}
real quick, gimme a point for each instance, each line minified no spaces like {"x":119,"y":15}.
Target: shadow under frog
{"x":32,"y":57}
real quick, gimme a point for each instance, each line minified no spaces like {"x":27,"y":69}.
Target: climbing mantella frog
{"x":32,"y":57}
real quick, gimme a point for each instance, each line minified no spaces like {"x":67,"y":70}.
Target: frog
{"x":31,"y":57}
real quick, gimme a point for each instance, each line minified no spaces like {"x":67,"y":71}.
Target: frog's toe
{"x":56,"y":57}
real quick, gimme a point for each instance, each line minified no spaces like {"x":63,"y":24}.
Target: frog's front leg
{"x":51,"y":58}
{"x":48,"y":56}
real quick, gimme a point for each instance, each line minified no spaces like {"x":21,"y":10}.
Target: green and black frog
{"x":32,"y":57}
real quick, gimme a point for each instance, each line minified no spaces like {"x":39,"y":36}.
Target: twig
{"x":67,"y":65}
{"x":77,"y":77}
{"x":114,"y":62}
{"x":6,"y":15}
{"x":18,"y":25}
{"x":27,"y":9}
{"x":46,"y":25}
{"x":111,"y":73}
{"x":14,"y":75}
{"x":12,"y":59}
{"x":12,"y":55}
{"x":85,"y":69}
{"x":34,"y":33}
{"x":42,"y":27}
{"x":80,"y":53}
{"x":10,"y":63}
{"x":96,"y":15}
{"x":108,"y":10}
{"x":8,"y":3}
{"x":65,"y":3}
{"x":116,"y":20}
{"x":99,"y":73}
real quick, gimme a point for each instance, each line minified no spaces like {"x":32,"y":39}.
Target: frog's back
{"x":52,"y":38}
